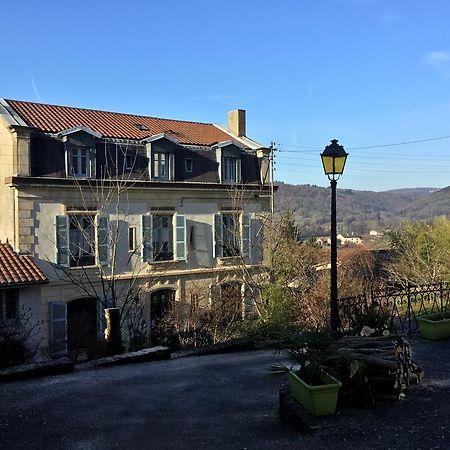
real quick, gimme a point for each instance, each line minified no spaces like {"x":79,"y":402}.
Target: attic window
{"x":141,"y":127}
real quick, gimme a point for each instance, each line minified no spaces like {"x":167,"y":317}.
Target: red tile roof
{"x":53,"y":119}
{"x":16,"y":270}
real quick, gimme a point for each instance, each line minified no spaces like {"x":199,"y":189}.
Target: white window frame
{"x":99,"y":236}
{"x":169,"y":165}
{"x":177,"y":244}
{"x":79,"y":153}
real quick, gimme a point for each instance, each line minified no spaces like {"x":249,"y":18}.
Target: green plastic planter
{"x":434,"y":329}
{"x":318,"y":400}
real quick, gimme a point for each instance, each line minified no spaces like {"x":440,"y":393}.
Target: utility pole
{"x":272,"y":170}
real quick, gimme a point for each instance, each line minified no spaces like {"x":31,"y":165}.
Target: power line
{"x":418,"y":141}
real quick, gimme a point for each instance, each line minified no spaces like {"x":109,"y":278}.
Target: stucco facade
{"x":191,"y":196}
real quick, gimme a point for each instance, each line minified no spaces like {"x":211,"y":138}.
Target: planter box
{"x":318,"y":400}
{"x":434,"y":329}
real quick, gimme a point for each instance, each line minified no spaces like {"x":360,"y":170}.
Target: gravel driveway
{"x":212,"y":402}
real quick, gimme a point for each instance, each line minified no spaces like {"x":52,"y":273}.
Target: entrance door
{"x":81,"y":323}
{"x":160,"y":304}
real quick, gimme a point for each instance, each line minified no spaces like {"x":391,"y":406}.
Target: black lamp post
{"x":333,"y":160}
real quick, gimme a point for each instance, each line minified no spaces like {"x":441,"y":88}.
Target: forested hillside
{"x":360,"y":211}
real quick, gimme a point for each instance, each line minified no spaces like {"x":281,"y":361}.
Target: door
{"x":81,"y":323}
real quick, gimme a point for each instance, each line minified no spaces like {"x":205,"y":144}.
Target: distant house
{"x":349,"y":240}
{"x":323,"y":241}
{"x":184,"y":231}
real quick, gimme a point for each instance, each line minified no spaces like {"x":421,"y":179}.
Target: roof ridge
{"x":108,"y":112}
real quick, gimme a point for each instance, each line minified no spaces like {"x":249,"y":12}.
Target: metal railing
{"x":398,"y":308}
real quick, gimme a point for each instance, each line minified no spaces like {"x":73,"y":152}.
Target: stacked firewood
{"x":382,"y":368}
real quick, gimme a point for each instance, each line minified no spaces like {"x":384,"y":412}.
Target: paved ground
{"x":211,"y":402}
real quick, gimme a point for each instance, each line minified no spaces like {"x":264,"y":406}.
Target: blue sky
{"x":366,"y":72}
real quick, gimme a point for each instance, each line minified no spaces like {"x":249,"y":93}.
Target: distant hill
{"x":360,"y":211}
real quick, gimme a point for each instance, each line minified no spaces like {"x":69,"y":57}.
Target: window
{"x":231,"y":169}
{"x":82,"y":240}
{"x":162,"y":166}
{"x":132,"y":239}
{"x":188,"y":164}
{"x":231,"y":235}
{"x":129,"y":161}
{"x":81,"y":161}
{"x":9,"y":304}
{"x":163,"y":237}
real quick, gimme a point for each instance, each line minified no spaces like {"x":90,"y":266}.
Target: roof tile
{"x":53,"y":119}
{"x":18,"y":269}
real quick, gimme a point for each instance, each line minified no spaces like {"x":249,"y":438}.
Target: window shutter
{"x":150,"y":161}
{"x":171,"y":166}
{"x":147,"y":238}
{"x":101,"y":318}
{"x":219,"y":163}
{"x":238,"y":170}
{"x":67,"y":158}
{"x":256,"y":240}
{"x":218,"y":236}
{"x":58,"y":328}
{"x":62,"y":241}
{"x":92,"y":163}
{"x":102,"y":240}
{"x":245,"y":235}
{"x":180,"y":236}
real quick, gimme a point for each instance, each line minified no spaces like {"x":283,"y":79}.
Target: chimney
{"x":236,"y":122}
{"x":263,"y":155}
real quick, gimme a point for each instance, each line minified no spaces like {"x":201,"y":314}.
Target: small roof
{"x":18,"y":270}
{"x":56,"y":119}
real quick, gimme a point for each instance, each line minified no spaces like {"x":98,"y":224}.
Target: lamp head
{"x":334,"y":157}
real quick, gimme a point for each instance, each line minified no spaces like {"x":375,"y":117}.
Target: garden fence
{"x":400,"y":307}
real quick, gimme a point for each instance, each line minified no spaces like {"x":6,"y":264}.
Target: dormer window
{"x":80,"y":161}
{"x":228,"y":156}
{"x":162,"y":166}
{"x":229,"y":169}
{"x":188,"y":164}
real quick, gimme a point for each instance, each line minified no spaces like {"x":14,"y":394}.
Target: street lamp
{"x":333,"y":160}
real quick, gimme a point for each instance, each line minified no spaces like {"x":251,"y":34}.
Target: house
{"x":323,"y":241}
{"x":349,"y":240}
{"x":104,"y":201}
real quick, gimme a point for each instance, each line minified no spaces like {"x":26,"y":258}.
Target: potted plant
{"x":310,"y":383}
{"x":435,"y":326}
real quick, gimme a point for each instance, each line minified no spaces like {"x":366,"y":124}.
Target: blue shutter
{"x":147,"y":238}
{"x":57,"y":323}
{"x":256,"y":240}
{"x":218,"y":236}
{"x":102,"y":240}
{"x":62,"y":241}
{"x":180,"y":236}
{"x":101,"y":318}
{"x":245,"y":235}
